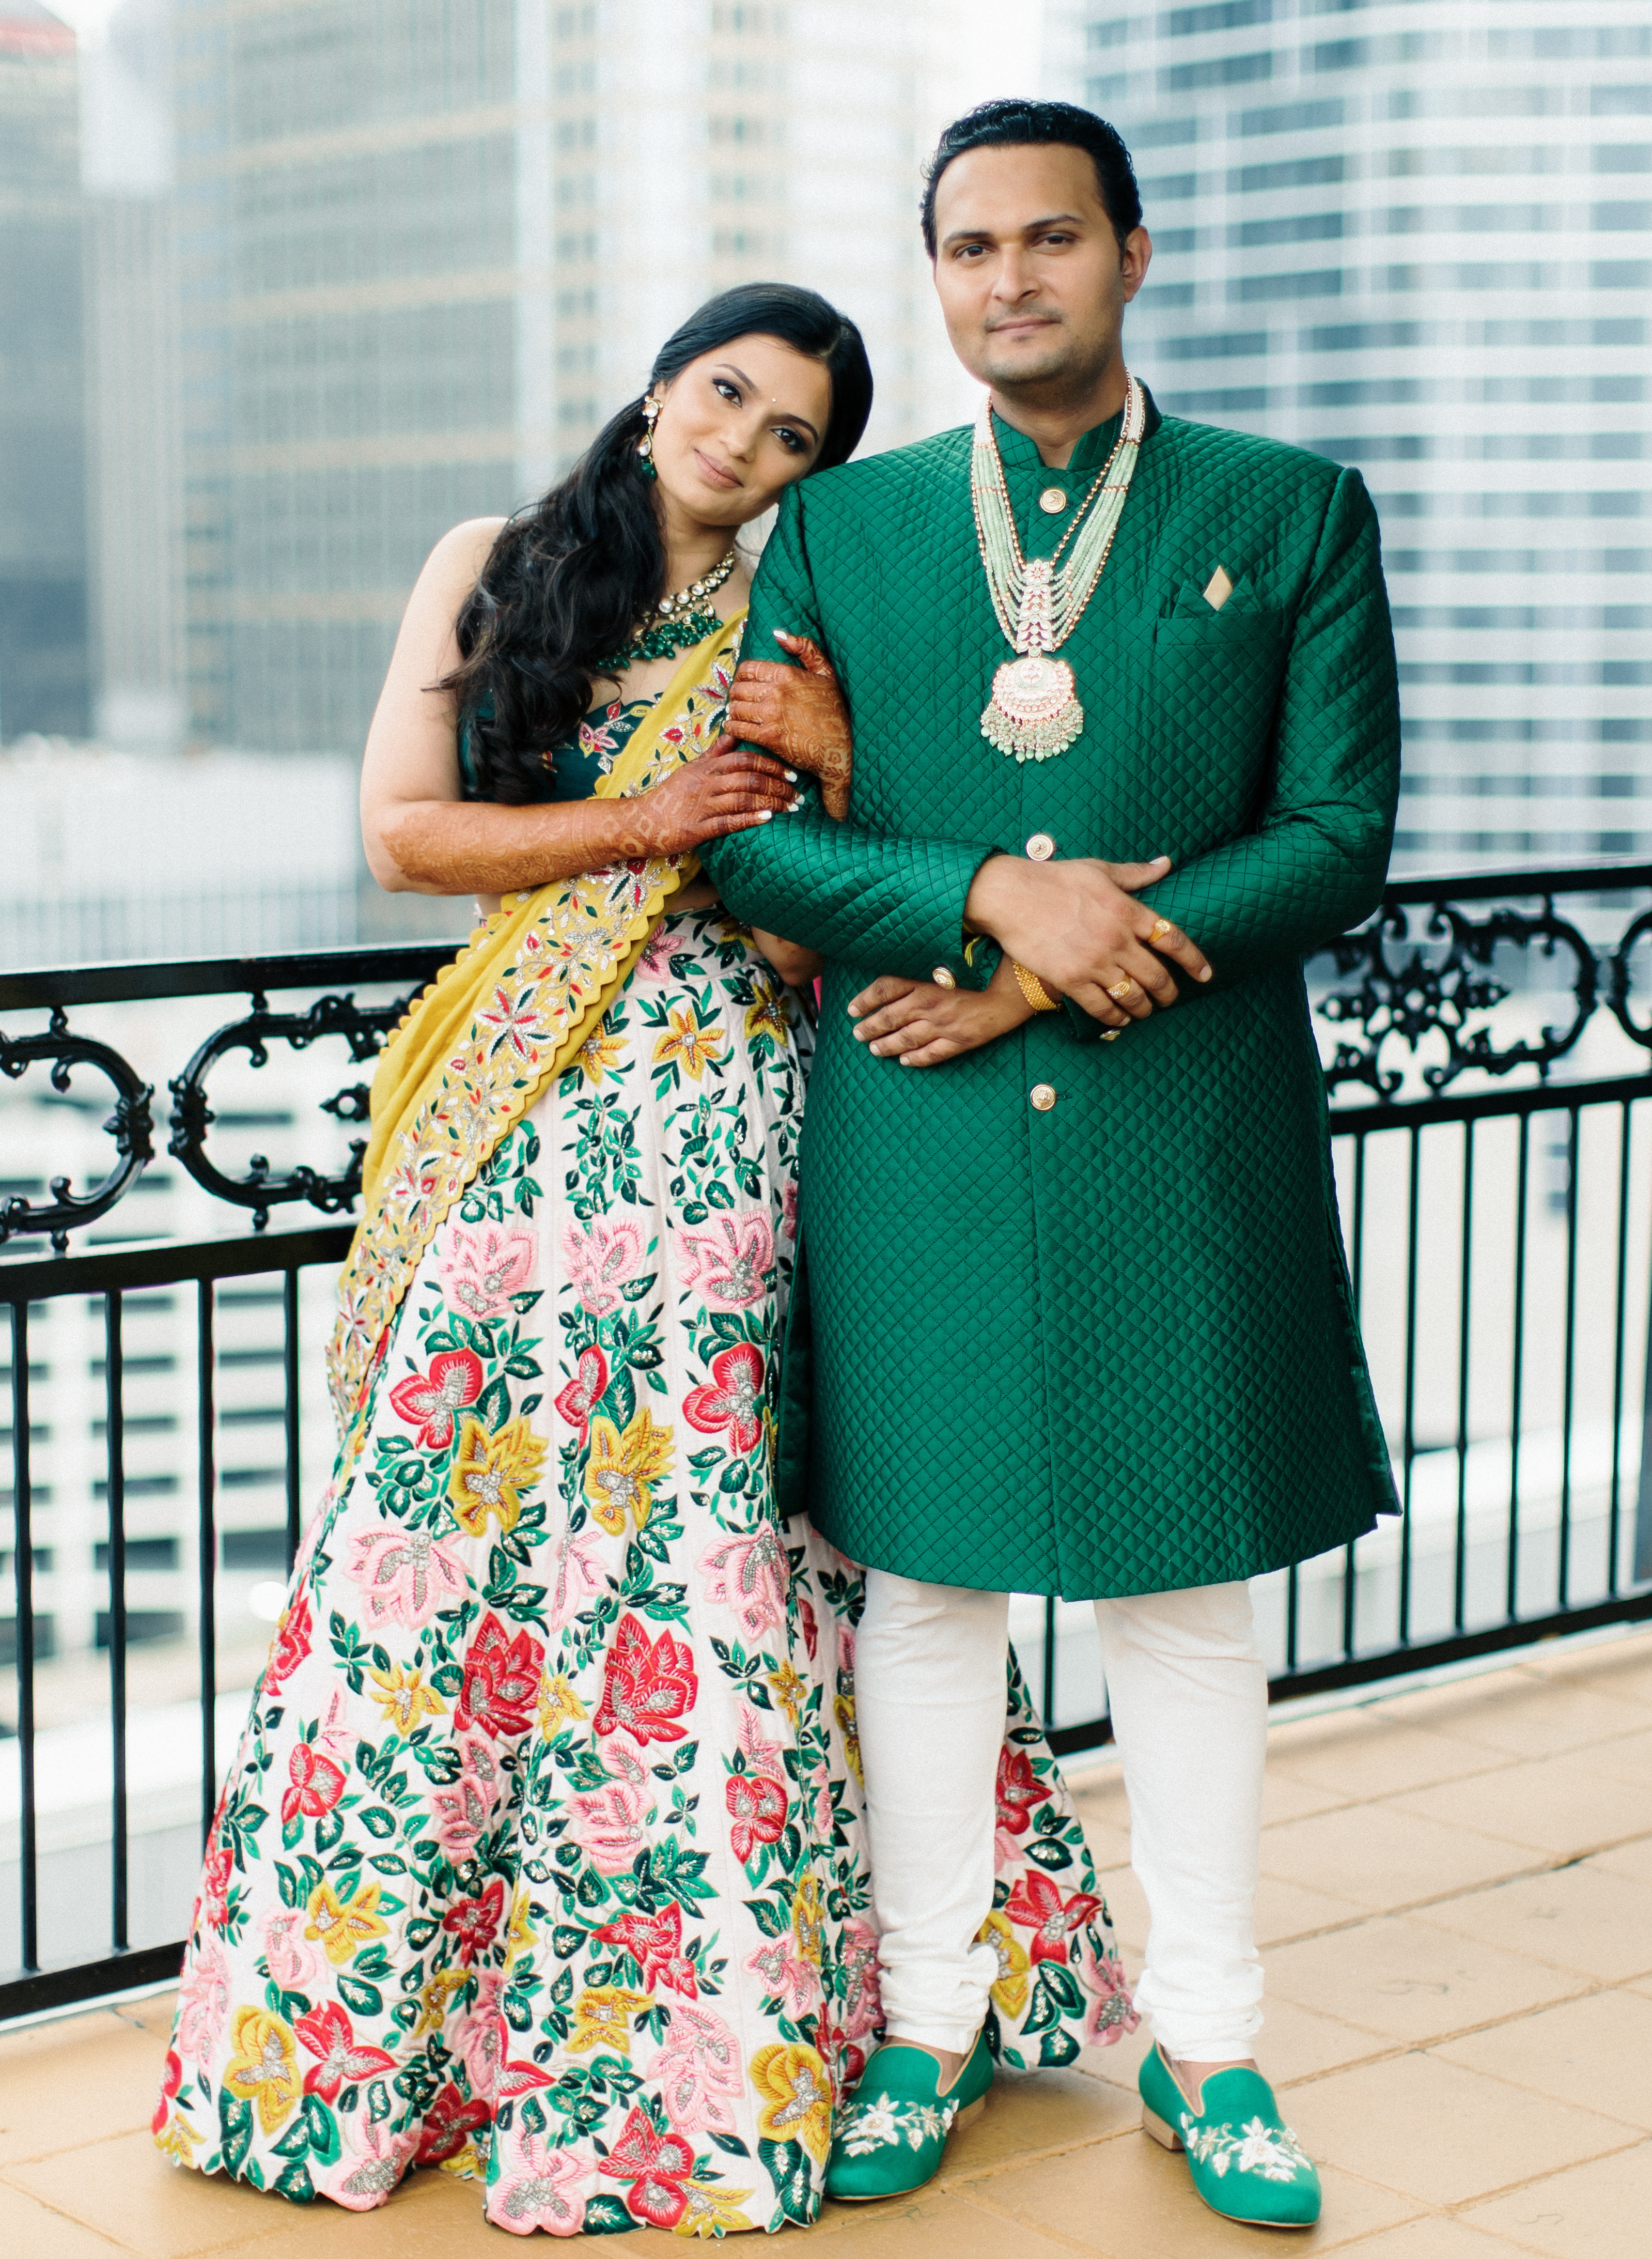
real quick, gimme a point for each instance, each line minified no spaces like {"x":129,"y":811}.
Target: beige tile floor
{"x":1457,"y":1907}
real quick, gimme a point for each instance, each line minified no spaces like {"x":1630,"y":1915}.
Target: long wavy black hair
{"x":567,"y":581}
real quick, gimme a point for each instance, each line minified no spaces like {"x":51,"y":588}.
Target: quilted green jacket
{"x":1107,"y":1347}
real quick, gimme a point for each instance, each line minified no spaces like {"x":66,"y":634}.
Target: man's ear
{"x":1135,"y":259}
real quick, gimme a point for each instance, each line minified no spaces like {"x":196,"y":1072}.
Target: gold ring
{"x":1121,"y":989}
{"x":1161,"y":926}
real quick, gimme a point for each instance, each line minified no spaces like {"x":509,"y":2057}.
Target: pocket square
{"x":1218,"y":588}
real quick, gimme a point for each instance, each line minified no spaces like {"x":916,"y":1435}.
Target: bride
{"x":541,"y":1859}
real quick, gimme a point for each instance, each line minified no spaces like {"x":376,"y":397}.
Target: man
{"x":1080,"y":1320}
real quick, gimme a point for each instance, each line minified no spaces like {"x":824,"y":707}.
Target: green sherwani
{"x":1107,"y":1347}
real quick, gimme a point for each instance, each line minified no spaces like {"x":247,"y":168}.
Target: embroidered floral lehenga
{"x":540,"y":1859}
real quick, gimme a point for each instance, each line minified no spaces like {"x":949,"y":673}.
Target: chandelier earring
{"x":645,"y":445}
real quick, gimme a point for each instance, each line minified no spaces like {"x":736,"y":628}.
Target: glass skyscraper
{"x":1416,"y":235}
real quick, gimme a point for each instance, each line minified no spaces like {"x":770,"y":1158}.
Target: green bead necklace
{"x":677,"y":622}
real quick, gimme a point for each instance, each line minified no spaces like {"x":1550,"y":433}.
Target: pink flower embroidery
{"x":485,"y":1268}
{"x":464,"y":1810}
{"x":785,"y":1973}
{"x":731,"y":1261}
{"x":545,"y":2190}
{"x":1108,"y":2014}
{"x":405,"y":1575}
{"x":654,"y":964}
{"x":858,"y":1959}
{"x":601,"y":1260}
{"x":576,"y":1576}
{"x":373,"y":2162}
{"x":291,"y":1962}
{"x":609,"y":1824}
{"x":789,"y":1209}
{"x":748,"y":1575}
{"x":696,"y":2067}
{"x":204,"y":2002}
{"x":477,"y":2037}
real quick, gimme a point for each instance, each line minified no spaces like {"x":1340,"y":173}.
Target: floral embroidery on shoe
{"x":869,"y":2125}
{"x":1272,"y":2151}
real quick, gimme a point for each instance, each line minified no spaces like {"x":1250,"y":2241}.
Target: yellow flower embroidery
{"x":789,"y":1691}
{"x":264,"y":2068}
{"x":693,"y":1044}
{"x":808,"y":1920}
{"x":467,"y":2165}
{"x":405,"y":1698}
{"x":767,"y":1016}
{"x":344,"y":1925}
{"x":623,"y":1469}
{"x":492,"y":1473}
{"x":599,"y":1055}
{"x":433,"y":1998}
{"x":797,"y":2097}
{"x":602,"y":2018}
{"x":843,"y":1710}
{"x":176,"y":2139}
{"x":1010,"y":1990}
{"x":712,"y":2211}
{"x":520,"y":1935}
{"x":558,"y":1705}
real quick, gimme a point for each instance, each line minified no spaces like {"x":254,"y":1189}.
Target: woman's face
{"x":737,"y":427}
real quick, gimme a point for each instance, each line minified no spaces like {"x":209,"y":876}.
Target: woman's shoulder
{"x":459,"y":555}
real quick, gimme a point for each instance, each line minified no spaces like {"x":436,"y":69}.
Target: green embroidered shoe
{"x":890,"y":2138}
{"x":1245,"y":2161}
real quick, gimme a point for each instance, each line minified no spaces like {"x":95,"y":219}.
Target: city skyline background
{"x":287,"y":286}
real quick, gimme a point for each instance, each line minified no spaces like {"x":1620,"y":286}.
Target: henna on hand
{"x":798,"y":713}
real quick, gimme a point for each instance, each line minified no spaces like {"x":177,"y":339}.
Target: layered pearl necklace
{"x":1035,"y":711}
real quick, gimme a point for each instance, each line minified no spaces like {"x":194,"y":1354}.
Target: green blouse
{"x":571,"y":769}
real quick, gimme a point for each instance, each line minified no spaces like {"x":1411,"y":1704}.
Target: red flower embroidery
{"x":316,"y":1784}
{"x":449,"y":2123}
{"x":646,"y":1685}
{"x":844,"y":2061}
{"x":216,"y":1868}
{"x":757,"y":1805}
{"x":428,"y":1401}
{"x":473,"y":1921}
{"x":734,"y":1400}
{"x":1019,"y":1789}
{"x":326,"y":2032}
{"x":502,"y":1678}
{"x":583,"y":1391}
{"x":515,"y":2079}
{"x":169,"y":2085}
{"x":293,"y":1635}
{"x":1035,"y":1904}
{"x":656,"y":2164}
{"x":656,"y":1943}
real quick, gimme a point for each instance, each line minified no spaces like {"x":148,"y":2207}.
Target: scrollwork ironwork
{"x":1619,"y":982}
{"x":1435,"y":981}
{"x":130,"y":1125}
{"x":364,"y":1027}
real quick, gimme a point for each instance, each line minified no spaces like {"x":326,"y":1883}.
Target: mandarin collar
{"x":1021,"y":458}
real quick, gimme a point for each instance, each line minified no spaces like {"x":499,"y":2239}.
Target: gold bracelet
{"x":1032,"y":989}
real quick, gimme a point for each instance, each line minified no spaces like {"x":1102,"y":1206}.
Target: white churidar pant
{"x":1188,"y":1695}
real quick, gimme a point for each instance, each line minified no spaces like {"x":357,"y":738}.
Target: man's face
{"x":1031,"y":280}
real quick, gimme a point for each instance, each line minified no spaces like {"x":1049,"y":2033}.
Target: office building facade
{"x":1416,"y":235}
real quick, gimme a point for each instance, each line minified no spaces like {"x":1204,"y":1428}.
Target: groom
{"x":1080,"y":1322}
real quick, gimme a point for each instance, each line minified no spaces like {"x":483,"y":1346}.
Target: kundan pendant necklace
{"x":677,"y":622}
{"x":1035,"y":711}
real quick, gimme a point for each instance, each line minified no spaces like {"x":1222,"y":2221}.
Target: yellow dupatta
{"x":510,"y":1012}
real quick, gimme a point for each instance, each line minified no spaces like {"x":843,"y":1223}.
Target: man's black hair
{"x":1014,"y":125}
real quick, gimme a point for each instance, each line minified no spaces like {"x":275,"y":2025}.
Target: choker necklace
{"x":1035,"y":712}
{"x":677,"y":622}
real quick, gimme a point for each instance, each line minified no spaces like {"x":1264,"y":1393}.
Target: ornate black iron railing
{"x":1496,"y":1183}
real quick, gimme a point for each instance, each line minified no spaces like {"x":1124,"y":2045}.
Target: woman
{"x":541,"y":1859}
